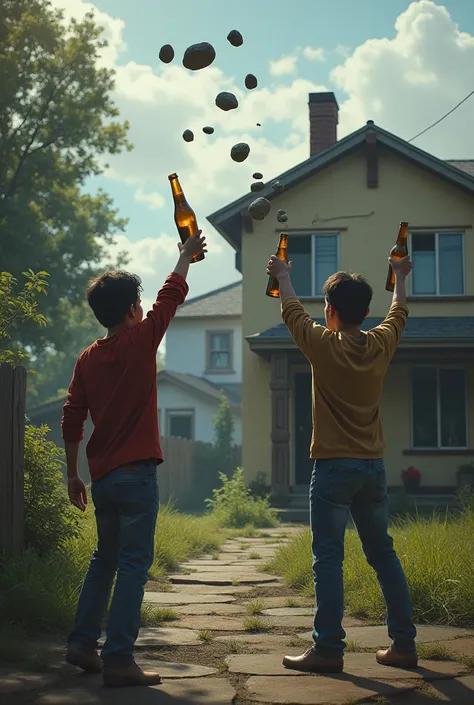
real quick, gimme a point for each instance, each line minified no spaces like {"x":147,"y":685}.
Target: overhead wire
{"x":442,"y":118}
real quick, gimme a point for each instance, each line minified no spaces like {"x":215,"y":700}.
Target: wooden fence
{"x":176,"y":473}
{"x":12,"y":440}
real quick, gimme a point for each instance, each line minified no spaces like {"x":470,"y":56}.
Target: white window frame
{"x":438,"y":369}
{"x":229,"y":351}
{"x":173,"y":413}
{"x":437,"y":233}
{"x":313,"y":235}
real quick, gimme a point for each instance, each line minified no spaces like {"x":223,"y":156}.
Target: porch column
{"x":280,"y":388}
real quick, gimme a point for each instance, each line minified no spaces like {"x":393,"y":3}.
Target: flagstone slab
{"x":377,"y":637}
{"x":213,"y":623}
{"x":88,"y":690}
{"x":279,"y":643}
{"x":12,"y":681}
{"x":363,"y":666}
{"x":166,"y":636}
{"x":281,"y":601}
{"x":458,"y":691}
{"x":167,"y":669}
{"x":185,"y":598}
{"x":231,"y":570}
{"x":211,"y":608}
{"x":314,"y":690}
{"x":296,"y":622}
{"x":289,"y":612}
{"x":249,"y":578}
{"x":203,"y":589}
{"x":209,"y":562}
{"x":462,"y":647}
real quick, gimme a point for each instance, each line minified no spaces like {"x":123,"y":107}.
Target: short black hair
{"x":111,"y":294}
{"x":349,"y":295}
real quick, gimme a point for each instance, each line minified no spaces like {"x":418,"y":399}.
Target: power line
{"x":442,"y":118}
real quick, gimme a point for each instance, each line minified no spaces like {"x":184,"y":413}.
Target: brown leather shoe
{"x":129,"y":676}
{"x":312,"y":662}
{"x":398,"y":659}
{"x":89,"y":661}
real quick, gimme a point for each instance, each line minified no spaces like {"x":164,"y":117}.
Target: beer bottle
{"x":398,"y":252}
{"x":184,"y":216}
{"x":273,"y":286}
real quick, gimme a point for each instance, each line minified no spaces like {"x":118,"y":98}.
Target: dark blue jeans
{"x":126,"y":507}
{"x":340,"y":487}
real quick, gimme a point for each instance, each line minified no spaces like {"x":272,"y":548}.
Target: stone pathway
{"x":231,"y":626}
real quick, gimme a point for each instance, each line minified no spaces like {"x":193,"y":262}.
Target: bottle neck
{"x":176,"y":189}
{"x":402,"y":238}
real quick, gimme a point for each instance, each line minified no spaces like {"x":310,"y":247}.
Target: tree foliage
{"x":57,"y":125}
{"x":224,"y":437}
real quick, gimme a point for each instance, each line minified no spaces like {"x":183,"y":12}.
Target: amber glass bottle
{"x":399,"y":251}
{"x":273,"y":286}
{"x":184,"y":216}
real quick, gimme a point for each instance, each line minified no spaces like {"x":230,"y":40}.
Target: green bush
{"x":234,"y":506}
{"x":50,"y":520}
{"x":436,"y":556}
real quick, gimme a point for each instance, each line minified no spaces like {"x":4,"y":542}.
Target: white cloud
{"x":408,"y":82}
{"x":314,"y":54}
{"x":283,"y":66}
{"x":154,"y":200}
{"x":342,"y":50}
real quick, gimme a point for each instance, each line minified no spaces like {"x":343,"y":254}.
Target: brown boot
{"x":128,"y":676}
{"x":312,"y":662}
{"x":398,"y":659}
{"x":89,"y":661}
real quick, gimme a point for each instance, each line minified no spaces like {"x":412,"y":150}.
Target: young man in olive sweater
{"x":348,"y":369}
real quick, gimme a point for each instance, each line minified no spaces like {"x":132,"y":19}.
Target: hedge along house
{"x":344,"y":205}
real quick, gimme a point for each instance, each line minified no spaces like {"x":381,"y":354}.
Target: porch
{"x":426,"y":406}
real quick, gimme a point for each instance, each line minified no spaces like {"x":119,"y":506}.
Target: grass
{"x":254,"y":556}
{"x":255,"y":625}
{"x":157,"y":616}
{"x":291,"y":602}
{"x":39,"y":595}
{"x":436,"y":554}
{"x":205,"y":635}
{"x":255,"y":607}
{"x":436,"y":651}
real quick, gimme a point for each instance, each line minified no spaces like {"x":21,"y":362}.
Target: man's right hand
{"x":193,"y":246}
{"x":401,"y":267}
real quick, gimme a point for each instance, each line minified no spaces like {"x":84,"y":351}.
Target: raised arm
{"x":391,"y":329}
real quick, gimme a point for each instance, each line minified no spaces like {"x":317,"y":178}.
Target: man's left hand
{"x":76,"y":490}
{"x":277,"y":268}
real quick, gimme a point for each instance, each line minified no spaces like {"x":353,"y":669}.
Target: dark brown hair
{"x":349,"y":295}
{"x":111,"y":294}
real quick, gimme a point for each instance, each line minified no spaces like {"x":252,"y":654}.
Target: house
{"x":203,"y":362}
{"x":344,"y":205}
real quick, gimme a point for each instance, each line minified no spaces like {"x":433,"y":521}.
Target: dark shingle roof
{"x":432,"y":328}
{"x":226,"y":301}
{"x":202,"y":385}
{"x":466,"y":165}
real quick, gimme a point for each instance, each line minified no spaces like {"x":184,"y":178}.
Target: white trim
{"x":436,"y":234}
{"x":438,"y":369}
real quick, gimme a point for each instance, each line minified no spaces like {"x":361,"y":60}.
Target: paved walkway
{"x":231,"y":625}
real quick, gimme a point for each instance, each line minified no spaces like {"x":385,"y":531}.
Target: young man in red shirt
{"x":115,"y":381}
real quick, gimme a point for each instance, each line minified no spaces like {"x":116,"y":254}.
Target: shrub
{"x":50,"y":520}
{"x":259,"y":486}
{"x":235,"y":507}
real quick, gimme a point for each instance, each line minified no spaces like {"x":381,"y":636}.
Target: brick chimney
{"x":323,"y":119}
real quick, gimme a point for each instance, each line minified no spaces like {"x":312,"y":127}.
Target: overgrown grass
{"x":40,"y":594}
{"x":255,"y":625}
{"x":256,"y":607}
{"x":153,"y":616}
{"x":436,"y":554}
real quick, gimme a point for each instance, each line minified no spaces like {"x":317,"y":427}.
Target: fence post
{"x":12,"y":443}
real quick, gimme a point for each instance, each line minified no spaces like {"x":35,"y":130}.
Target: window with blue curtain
{"x":314,"y":258}
{"x":438,"y":266}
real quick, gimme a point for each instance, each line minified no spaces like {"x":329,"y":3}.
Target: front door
{"x":303,"y":425}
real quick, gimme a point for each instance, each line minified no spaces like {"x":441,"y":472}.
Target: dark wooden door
{"x":302,"y":424}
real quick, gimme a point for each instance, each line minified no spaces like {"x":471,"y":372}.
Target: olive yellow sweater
{"x":348,"y":375}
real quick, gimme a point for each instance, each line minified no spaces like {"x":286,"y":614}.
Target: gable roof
{"x":228,"y":220}
{"x":446,"y":329}
{"x":202,"y":386}
{"x":226,"y":301}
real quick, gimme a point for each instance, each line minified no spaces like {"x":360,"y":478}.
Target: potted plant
{"x":465,"y":476}
{"x":411,"y":479}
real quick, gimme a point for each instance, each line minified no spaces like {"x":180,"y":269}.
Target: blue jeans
{"x":126,"y":508}
{"x":340,"y":487}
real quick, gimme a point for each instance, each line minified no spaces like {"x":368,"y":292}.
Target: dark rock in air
{"x":240,"y":152}
{"x":277,"y":186}
{"x":257,"y":186}
{"x":259,"y":208}
{"x":259,"y":124}
{"x":208,"y":130}
{"x":226,"y":101}
{"x":188,"y":136}
{"x":235,"y":38}
{"x":257,"y":176}
{"x":166,"y":54}
{"x":281,"y":216}
{"x":251,"y":81}
{"x":199,"y":56}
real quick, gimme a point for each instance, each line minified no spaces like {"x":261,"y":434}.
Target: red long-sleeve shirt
{"x":115,"y":381}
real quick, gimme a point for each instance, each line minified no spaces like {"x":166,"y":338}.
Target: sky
{"x":402,"y":64}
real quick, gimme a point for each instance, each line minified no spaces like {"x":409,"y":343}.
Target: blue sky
{"x":402,"y":64}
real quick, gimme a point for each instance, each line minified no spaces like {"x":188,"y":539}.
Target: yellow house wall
{"x":405,"y":192}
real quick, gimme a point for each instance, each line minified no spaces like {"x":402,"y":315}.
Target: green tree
{"x":57,"y":125}
{"x":224,"y":437}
